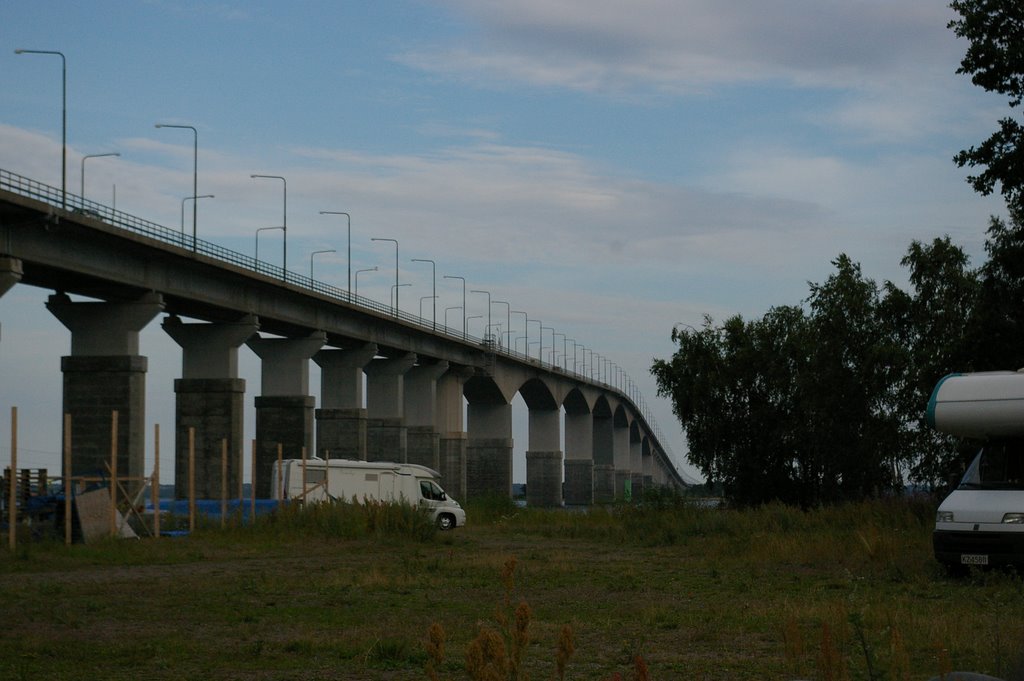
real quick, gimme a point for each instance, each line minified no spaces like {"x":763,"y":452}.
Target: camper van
{"x":345,"y":480}
{"x":982,"y":521}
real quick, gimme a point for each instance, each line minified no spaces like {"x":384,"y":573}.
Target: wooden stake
{"x":192,"y":479}
{"x":327,"y":474}
{"x":12,"y":507}
{"x":303,"y":497}
{"x":69,"y":483}
{"x":155,"y":485}
{"x":223,"y":482}
{"x":252,"y":486}
{"x":280,"y":473}
{"x":113,"y":473}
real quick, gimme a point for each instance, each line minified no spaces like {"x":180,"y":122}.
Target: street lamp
{"x":394,"y":293}
{"x":284,"y":225}
{"x":326,"y":250}
{"x":433,"y":277}
{"x":368,"y":269}
{"x":349,"y":217}
{"x":257,"y":256}
{"x":476,"y":316}
{"x":540,"y":335}
{"x":188,"y":198}
{"x":463,"y":279}
{"x":488,"y":294}
{"x":395,"y":289}
{"x":195,"y":170}
{"x":454,"y":307}
{"x":526,"y":327}
{"x":422,"y":298}
{"x":508,"y":317}
{"x":63,"y":121}
{"x":541,"y":353}
{"x":82,"y":190}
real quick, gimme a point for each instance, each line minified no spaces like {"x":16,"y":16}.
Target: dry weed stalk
{"x":435,"y":650}
{"x":566,"y":648}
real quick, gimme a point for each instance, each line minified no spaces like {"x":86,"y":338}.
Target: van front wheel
{"x":445,"y":521}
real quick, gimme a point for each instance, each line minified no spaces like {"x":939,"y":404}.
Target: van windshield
{"x":999,"y":465}
{"x":429,"y":490}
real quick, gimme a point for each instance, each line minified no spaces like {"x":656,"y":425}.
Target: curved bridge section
{"x":417,"y":373}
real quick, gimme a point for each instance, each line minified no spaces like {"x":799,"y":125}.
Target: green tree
{"x":995,"y":61}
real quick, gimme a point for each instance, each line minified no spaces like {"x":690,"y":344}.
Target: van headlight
{"x":944,"y":517}
{"x":1014,"y":518}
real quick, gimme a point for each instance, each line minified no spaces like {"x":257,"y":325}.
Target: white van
{"x":345,"y":480}
{"x":982,"y":521}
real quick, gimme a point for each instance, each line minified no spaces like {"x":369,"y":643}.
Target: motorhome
{"x":348,"y":480}
{"x":981,"y":522}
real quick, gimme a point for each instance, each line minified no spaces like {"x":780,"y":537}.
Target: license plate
{"x":974,"y":559}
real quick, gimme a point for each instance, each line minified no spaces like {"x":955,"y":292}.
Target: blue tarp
{"x":210,"y":508}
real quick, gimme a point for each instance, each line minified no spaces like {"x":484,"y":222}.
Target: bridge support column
{"x":10,"y":273}
{"x":647,"y":465}
{"x":105,"y":373}
{"x":211,"y":399}
{"x":489,"y":450}
{"x":544,"y":459}
{"x":604,"y":461}
{"x":341,"y":419}
{"x":452,"y":430}
{"x":423,"y":439}
{"x":623,"y":475}
{"x":636,"y":467}
{"x":386,"y":434}
{"x":284,"y":410}
{"x":579,"y":458}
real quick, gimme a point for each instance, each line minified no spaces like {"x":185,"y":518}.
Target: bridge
{"x":393,"y":386}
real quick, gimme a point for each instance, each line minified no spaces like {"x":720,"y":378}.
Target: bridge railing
{"x":73,"y":203}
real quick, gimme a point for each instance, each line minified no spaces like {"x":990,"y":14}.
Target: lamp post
{"x":526,"y":329}
{"x":195,"y":170}
{"x":326,"y":250}
{"x":540,"y":336}
{"x":190,"y":198}
{"x":488,"y":294}
{"x":81,"y":191}
{"x":476,"y":316}
{"x":463,"y":279}
{"x":433,"y":278}
{"x":257,"y":256}
{"x":368,"y":269}
{"x":453,"y":307}
{"x":554,"y":355}
{"x":508,"y":317}
{"x":422,"y":298}
{"x":349,"y":218}
{"x":63,"y":121}
{"x":284,"y":225}
{"x":395,"y":289}
{"x":394,"y":294}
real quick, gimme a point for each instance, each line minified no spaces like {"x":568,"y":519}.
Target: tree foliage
{"x":995,"y":62}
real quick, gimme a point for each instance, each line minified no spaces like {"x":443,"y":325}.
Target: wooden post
{"x":113,"y":473}
{"x":280,"y":473}
{"x":154,"y":493}
{"x":223,"y":482}
{"x":252,"y":486}
{"x":69,"y":481}
{"x":327,"y":475}
{"x":12,"y":507}
{"x":303,"y":497}
{"x":192,"y":479}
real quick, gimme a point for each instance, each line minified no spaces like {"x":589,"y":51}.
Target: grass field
{"x":659,"y":593}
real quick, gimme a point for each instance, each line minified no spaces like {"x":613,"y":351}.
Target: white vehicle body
{"x":348,"y":480}
{"x":982,"y":521}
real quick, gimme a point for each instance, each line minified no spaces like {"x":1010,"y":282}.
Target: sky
{"x":612,"y":168}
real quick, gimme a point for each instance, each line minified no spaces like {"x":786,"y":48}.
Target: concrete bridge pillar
{"x":604,"y":460}
{"x":623,"y":475}
{"x":341,"y":421}
{"x":579,"y":458}
{"x":489,"y":449}
{"x":648,"y":466}
{"x":10,"y":273}
{"x":386,"y":434}
{"x":544,"y":459}
{"x":105,"y":373}
{"x":452,"y":430}
{"x":284,"y":410}
{"x":636,"y":467}
{"x":209,"y":397}
{"x":423,"y":441}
